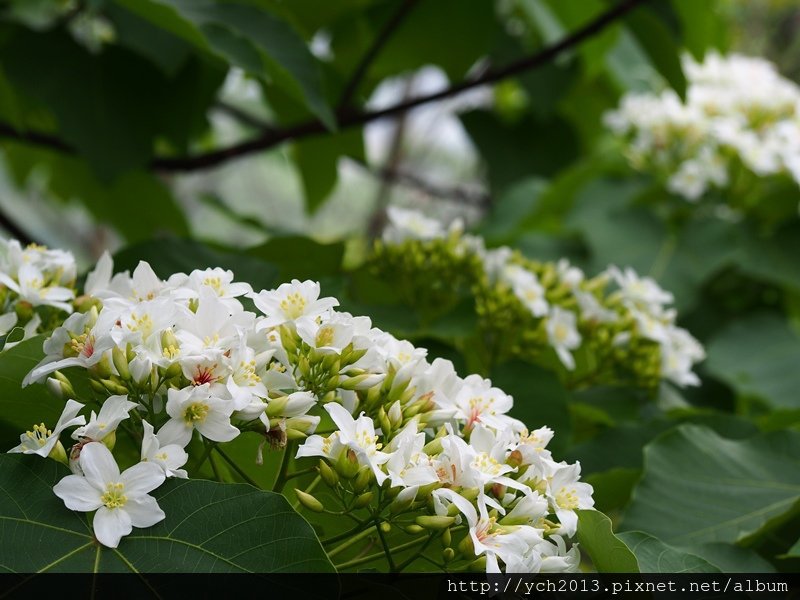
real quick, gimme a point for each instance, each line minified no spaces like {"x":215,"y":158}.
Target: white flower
{"x":407,"y":224}
{"x":120,"y":499}
{"x":563,"y":335}
{"x":642,"y":293}
{"x":114,"y":410}
{"x":567,"y":494}
{"x":32,"y":286}
{"x":41,"y":440}
{"x":290,"y":301}
{"x":527,"y":289}
{"x":157,"y":450}
{"x":476,"y":401}
{"x":194,"y":408}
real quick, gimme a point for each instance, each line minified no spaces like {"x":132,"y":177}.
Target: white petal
{"x":175,"y":431}
{"x":218,"y":428}
{"x":110,"y":525}
{"x":98,"y":465}
{"x":78,"y":494}
{"x":142,"y":478}
{"x":144,"y":511}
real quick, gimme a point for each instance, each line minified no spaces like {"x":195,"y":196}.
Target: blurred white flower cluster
{"x":181,"y":361}
{"x":607,"y":315}
{"x":739,"y":113}
{"x":35,"y":283}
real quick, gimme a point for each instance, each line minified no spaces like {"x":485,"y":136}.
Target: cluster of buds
{"x":740,"y":121}
{"x":615,"y":328}
{"x":415,"y":449}
{"x":37,"y":289}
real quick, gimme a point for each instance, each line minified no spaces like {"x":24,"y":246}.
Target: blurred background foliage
{"x":269,"y":136}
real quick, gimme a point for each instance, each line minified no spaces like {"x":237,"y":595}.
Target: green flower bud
{"x":58,"y":453}
{"x":414,"y":529}
{"x":121,"y":362}
{"x":434,"y":522}
{"x":327,"y":474}
{"x":466,"y":546}
{"x":347,"y":464}
{"x":110,"y":440}
{"x":309,"y":501}
{"x":433,"y":447}
{"x":448,"y":554}
{"x":479,"y":565}
{"x":363,"y":500}
{"x":85,"y":303}
{"x":275,"y":406}
{"x":447,"y":537}
{"x":294,"y":434}
{"x":114,"y":387}
{"x":24,"y":311}
{"x":363,"y":479}
{"x":97,"y":386}
{"x":386,"y":527}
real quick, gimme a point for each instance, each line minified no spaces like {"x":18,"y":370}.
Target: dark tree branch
{"x":372,"y":53}
{"x":268,"y":138}
{"x":271,"y":138}
{"x":32,"y":137}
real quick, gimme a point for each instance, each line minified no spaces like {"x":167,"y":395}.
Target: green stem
{"x":407,"y":562}
{"x":301,"y":472}
{"x":284,"y":470}
{"x":365,"y":559}
{"x":345,"y":545}
{"x":236,"y":468}
{"x":386,"y":550}
{"x":215,"y":468}
{"x":346,"y":534}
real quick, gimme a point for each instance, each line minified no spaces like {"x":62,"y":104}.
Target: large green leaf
{"x":770,"y":372}
{"x":662,"y":49}
{"x":699,"y":487}
{"x":608,"y":552}
{"x":301,"y":257}
{"x":209,"y":527}
{"x":250,"y":37}
{"x":655,"y":556}
{"x":20,"y":407}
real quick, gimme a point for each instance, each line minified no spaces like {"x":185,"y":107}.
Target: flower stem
{"x":365,"y":559}
{"x":280,"y":482}
{"x":356,"y":538}
{"x":237,"y":468}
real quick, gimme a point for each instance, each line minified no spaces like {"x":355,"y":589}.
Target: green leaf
{"x":539,"y":398}
{"x":98,"y":100}
{"x":608,"y":552}
{"x":612,"y":489}
{"x":659,"y":45}
{"x":247,"y":36}
{"x":771,"y":373}
{"x":654,"y":556}
{"x":317,"y":159}
{"x":209,"y":528}
{"x":21,"y":407}
{"x":17,"y":334}
{"x":699,"y":487}
{"x":732,"y":559}
{"x":794,"y":551}
{"x":300,"y":257}
{"x":701,"y":25}
{"x":513,"y":154}
{"x":128,"y":203}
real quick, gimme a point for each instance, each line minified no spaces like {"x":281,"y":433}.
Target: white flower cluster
{"x":33,"y":277}
{"x":738,"y":111}
{"x":570,"y":302}
{"x":181,"y":358}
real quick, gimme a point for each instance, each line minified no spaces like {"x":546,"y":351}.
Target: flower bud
{"x":174,"y":370}
{"x":363,"y":479}
{"x":386,"y":527}
{"x":361,"y":382}
{"x":309,"y":501}
{"x":433,"y":447}
{"x":86,"y":302}
{"x":118,"y":356}
{"x":466,"y":546}
{"x":97,"y":386}
{"x":109,"y":440}
{"x":414,"y":529}
{"x":395,"y":415}
{"x":58,"y":453}
{"x":363,"y":500}
{"x":448,"y":554}
{"x":327,"y":474}
{"x":479,"y":565}
{"x":114,"y":387}
{"x":447,"y":537}
{"x":403,"y":501}
{"x":24,"y":311}
{"x":275,"y":406}
{"x":347,"y":464}
{"x":434,"y":522}
{"x":294,"y":434}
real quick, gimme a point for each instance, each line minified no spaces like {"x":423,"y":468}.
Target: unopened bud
{"x":347,"y":464}
{"x":433,"y":447}
{"x":515,"y":459}
{"x":294,"y":434}
{"x":110,"y":440}
{"x":120,"y":359}
{"x":447,"y":537}
{"x":478,"y":565}
{"x":363,"y":479}
{"x":58,"y":453}
{"x":114,"y":387}
{"x":174,"y":370}
{"x":363,"y":500}
{"x":448,"y":554}
{"x":24,"y":311}
{"x":327,"y":474}
{"x":275,"y":406}
{"x":309,"y":501}
{"x":97,"y":386}
{"x":414,"y":529}
{"x":85,"y":303}
{"x":395,"y":415}
{"x":434,"y":522}
{"x":386,"y":527}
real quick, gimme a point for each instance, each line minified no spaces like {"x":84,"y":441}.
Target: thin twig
{"x":372,"y":53}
